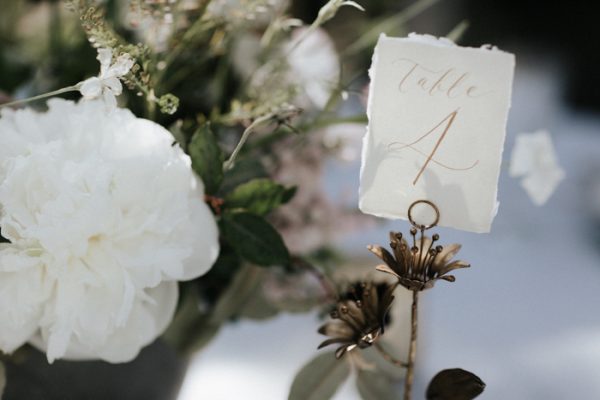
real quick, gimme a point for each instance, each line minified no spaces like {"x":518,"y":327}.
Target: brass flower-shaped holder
{"x":420,"y":263}
{"x":417,"y":263}
{"x":359,"y":318}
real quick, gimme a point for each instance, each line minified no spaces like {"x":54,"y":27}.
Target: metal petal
{"x":448,"y":252}
{"x":452,"y":266}
{"x":449,"y":278}
{"x":383,"y":254}
{"x":336,"y":329}
{"x":334,"y":341}
{"x":339,"y":353}
{"x":386,"y":269}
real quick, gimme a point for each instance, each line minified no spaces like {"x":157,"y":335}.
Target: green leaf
{"x":455,"y":384}
{"x":320,"y":378}
{"x":243,"y":171}
{"x":207,"y":158}
{"x":374,"y":385}
{"x":178,"y":133}
{"x":259,"y":196}
{"x":240,"y":292}
{"x":282,"y":290}
{"x":254,"y":239}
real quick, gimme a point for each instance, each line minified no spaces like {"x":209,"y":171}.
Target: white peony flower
{"x":534,"y":159}
{"x":104,"y":216}
{"x":107,"y":85}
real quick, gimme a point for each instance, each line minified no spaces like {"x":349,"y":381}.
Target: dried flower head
{"x":417,"y":267}
{"x":359,"y":317}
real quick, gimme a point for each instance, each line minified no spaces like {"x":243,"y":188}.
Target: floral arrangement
{"x":159,"y":177}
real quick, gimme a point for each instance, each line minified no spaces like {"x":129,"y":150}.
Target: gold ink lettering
{"x":406,"y":77}
{"x":448,"y":82}
{"x":450,"y":118}
{"x":438,"y":83}
{"x":456,"y":85}
{"x":430,"y":157}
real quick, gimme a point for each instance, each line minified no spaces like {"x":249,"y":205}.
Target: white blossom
{"x":346,"y":139}
{"x":107,"y":85}
{"x":104,"y":216}
{"x":534,"y":160}
{"x":314,"y":64}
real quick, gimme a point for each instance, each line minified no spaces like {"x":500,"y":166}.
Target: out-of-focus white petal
{"x":122,"y":65}
{"x":91,"y":88}
{"x":346,"y":139}
{"x":534,"y":159}
{"x":314,"y":65}
{"x":114,"y":85}
{"x":105,"y":58}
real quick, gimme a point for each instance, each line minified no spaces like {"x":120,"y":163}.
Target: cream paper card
{"x":437,"y":121}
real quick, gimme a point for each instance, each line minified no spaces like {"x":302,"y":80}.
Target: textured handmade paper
{"x":437,"y":122}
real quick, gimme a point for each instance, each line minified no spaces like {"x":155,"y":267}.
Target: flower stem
{"x":412,"y":350}
{"x":41,"y":96}
{"x":231,"y":161}
{"x":324,"y":279}
{"x":389,"y":357}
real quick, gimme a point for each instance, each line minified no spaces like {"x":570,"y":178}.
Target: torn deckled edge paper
{"x":437,"y":122}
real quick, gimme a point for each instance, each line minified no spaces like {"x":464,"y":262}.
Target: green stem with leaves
{"x":412,"y":350}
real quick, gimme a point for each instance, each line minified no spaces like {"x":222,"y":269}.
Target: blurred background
{"x":524,"y":317}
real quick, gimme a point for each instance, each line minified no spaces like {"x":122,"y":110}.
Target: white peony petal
{"x":22,"y":296}
{"x":149,"y":320}
{"x":204,"y":236}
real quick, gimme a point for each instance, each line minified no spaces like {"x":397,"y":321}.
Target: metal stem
{"x":389,"y":357}
{"x":412,"y":350}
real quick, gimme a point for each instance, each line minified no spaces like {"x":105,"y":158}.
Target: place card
{"x":437,"y":122}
